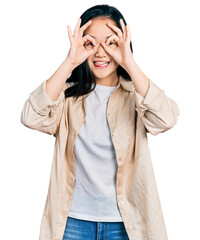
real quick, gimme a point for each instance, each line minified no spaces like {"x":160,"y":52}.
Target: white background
{"x":34,"y":42}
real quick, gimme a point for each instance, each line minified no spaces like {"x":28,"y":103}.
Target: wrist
{"x":129,"y":67}
{"x":68,"y":63}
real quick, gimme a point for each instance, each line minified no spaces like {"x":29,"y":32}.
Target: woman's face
{"x":100,"y":31}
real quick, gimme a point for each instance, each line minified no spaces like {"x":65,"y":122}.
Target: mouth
{"x":100,"y":64}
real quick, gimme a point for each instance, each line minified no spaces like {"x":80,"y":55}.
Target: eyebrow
{"x":106,"y":37}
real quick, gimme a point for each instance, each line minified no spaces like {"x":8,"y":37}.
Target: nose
{"x":100,"y":51}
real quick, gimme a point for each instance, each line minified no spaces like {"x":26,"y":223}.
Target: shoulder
{"x":127,"y":84}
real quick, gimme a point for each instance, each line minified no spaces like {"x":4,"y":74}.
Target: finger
{"x":70,"y":34}
{"x":128,"y":33}
{"x":94,"y":49}
{"x":83,"y":28}
{"x":115,"y":29}
{"x":77,"y":28}
{"x":123,"y":29}
{"x":114,"y":37}
{"x":89,"y":38}
{"x":107,"y":48}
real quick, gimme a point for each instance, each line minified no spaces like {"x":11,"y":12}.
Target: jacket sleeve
{"x":40,"y":112}
{"x":158,"y":112}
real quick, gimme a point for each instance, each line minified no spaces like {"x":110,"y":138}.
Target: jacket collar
{"x":127,"y":85}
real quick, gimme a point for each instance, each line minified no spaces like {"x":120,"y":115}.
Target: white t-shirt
{"x":94,"y":196}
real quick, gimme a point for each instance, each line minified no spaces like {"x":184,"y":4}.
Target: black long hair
{"x":82,"y":76}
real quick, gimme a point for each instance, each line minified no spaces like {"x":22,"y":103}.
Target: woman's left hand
{"x":121,"y":53}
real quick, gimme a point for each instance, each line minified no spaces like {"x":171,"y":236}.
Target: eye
{"x":89,"y":43}
{"x":112,"y":42}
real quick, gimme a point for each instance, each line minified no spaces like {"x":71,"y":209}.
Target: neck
{"x":111,"y":80}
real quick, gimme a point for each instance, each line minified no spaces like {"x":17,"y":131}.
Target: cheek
{"x":89,"y":62}
{"x":115,"y":64}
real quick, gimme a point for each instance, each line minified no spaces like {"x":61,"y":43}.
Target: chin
{"x":102,"y":75}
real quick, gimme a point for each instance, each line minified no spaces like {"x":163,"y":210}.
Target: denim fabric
{"x":78,"y":229}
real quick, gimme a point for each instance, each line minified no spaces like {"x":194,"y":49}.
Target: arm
{"x":158,"y":112}
{"x":42,"y":110}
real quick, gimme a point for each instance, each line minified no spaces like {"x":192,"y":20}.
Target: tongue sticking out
{"x":99,"y":64}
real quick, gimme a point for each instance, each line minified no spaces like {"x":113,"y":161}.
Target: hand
{"x":121,"y":53}
{"x":78,"y":53}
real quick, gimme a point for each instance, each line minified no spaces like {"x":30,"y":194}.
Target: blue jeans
{"x":78,"y":229}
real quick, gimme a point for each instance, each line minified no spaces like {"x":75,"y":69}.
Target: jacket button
{"x":114,"y":134}
{"x":145,"y":105}
{"x":120,"y":180}
{"x":52,"y":112}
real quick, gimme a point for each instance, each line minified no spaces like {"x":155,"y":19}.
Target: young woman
{"x":99,"y":106}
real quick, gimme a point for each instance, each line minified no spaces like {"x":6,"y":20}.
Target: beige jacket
{"x":130,"y":117}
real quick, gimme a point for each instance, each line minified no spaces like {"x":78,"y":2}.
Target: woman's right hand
{"x":78,"y":53}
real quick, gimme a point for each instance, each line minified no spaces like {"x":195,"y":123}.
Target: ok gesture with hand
{"x":122,"y":53}
{"x":78,"y":53}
